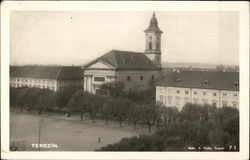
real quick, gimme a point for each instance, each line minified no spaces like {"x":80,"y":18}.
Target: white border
{"x":243,"y":9}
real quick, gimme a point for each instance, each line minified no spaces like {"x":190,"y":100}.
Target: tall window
{"x":169,"y":100}
{"x":152,"y":78}
{"x":150,"y":45}
{"x":141,"y":78}
{"x":162,"y":98}
{"x":224,"y":103}
{"x":128,"y":78}
{"x":158,"y":46}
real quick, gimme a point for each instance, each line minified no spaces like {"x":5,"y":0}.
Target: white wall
{"x":169,"y":96}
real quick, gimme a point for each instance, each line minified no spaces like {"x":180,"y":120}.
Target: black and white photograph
{"x":93,"y":79}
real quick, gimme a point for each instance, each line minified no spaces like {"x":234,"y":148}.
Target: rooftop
{"x":126,"y":60}
{"x":153,"y":26}
{"x":48,"y":72}
{"x":218,"y":80}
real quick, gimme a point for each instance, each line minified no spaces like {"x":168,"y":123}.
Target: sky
{"x":77,"y":37}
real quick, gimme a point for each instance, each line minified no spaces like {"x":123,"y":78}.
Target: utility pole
{"x":39,"y":138}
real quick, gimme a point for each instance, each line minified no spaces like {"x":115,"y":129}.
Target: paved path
{"x":69,"y":133}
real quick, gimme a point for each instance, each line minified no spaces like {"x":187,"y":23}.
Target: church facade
{"x":136,"y":70}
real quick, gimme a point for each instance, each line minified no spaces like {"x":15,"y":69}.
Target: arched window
{"x":150,"y":45}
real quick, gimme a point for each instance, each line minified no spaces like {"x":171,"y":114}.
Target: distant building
{"x":55,"y":78}
{"x":200,"y":87}
{"x":135,"y":70}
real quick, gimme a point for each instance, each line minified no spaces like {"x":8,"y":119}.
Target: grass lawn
{"x":69,"y":133}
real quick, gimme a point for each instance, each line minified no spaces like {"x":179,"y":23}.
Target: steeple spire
{"x":153,"y":41}
{"x":153,"y":25}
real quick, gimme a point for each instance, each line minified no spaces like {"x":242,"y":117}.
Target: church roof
{"x":153,"y":26}
{"x":48,"y":72}
{"x":218,"y":80}
{"x":126,"y":60}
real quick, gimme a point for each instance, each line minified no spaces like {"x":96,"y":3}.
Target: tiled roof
{"x":70,"y":72}
{"x":48,"y":72}
{"x":126,"y":60}
{"x":13,"y":68}
{"x":196,"y":79}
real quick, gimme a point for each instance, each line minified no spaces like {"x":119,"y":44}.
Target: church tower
{"x":153,"y":42}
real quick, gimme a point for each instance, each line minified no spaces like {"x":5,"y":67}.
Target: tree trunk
{"x":81,"y":116}
{"x":158,"y":125}
{"x":106,"y":121}
{"x":39,"y":112}
{"x":149,"y":127}
{"x":129,"y":121}
{"x":134,"y":125}
{"x":21,"y":108}
{"x":49,"y":112}
{"x":120,"y":124}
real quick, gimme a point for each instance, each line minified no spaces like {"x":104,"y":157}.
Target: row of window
{"x":141,"y":78}
{"x":205,"y":93}
{"x":196,"y":100}
{"x":37,"y":86}
{"x":150,"y":46}
{"x":206,"y":82}
{"x":32,"y":80}
{"x":102,"y":79}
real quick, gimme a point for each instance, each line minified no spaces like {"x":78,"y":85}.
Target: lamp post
{"x":39,"y":138}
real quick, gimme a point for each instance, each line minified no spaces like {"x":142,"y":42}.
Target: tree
{"x":113,"y":89}
{"x":142,"y":97}
{"x":79,"y":101}
{"x":159,"y":109}
{"x":95,"y":104}
{"x":134,"y":114}
{"x":218,"y":137}
{"x":33,"y":100}
{"x":62,"y":97}
{"x":107,"y":109}
{"x":47,"y":100}
{"x":13,"y":97}
{"x":148,"y":115}
{"x":169,"y":115}
{"x":120,"y":109}
{"x":22,"y":98}
{"x":190,"y":112}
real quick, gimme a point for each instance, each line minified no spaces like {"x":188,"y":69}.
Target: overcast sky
{"x":74,"y":38}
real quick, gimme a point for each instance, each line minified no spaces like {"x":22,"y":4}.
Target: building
{"x":135,"y":70}
{"x":55,"y":78}
{"x":201,"y":87}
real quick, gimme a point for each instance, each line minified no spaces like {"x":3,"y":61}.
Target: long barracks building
{"x":201,"y":87}
{"x":55,"y":78}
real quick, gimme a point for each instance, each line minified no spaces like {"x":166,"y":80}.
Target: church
{"x":136,"y":70}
